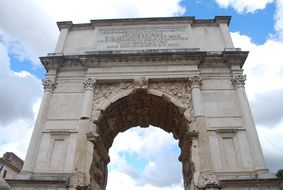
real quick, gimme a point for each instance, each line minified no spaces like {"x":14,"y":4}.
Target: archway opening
{"x":144,"y":159}
{"x":140,"y":109}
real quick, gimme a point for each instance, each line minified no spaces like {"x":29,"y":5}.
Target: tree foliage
{"x":4,"y":188}
{"x":279,"y":173}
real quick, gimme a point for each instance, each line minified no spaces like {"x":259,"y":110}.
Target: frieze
{"x":105,"y":91}
{"x":110,"y":90}
{"x":176,"y":89}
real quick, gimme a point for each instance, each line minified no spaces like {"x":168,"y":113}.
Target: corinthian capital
{"x":194,"y":82}
{"x":89,"y":84}
{"x":49,"y":85}
{"x":238,"y":80}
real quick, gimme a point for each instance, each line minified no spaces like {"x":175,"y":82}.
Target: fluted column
{"x":49,"y":86}
{"x":194,"y":83}
{"x":90,"y":86}
{"x":238,"y":82}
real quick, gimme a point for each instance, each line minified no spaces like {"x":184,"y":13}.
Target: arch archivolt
{"x":175,"y":92}
{"x":118,"y":107}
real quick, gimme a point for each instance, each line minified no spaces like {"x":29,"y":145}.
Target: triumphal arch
{"x":180,"y":74}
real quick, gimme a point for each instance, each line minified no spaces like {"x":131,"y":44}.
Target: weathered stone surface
{"x":142,"y":37}
{"x":180,"y":74}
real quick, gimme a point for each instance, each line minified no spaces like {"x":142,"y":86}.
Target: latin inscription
{"x":147,"y":37}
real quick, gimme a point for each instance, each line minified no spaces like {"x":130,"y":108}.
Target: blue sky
{"x":258,"y":32}
{"x":30,"y":31}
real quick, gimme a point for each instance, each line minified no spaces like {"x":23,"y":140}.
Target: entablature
{"x":148,"y":57}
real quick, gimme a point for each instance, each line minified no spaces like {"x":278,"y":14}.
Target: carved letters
{"x":143,"y":37}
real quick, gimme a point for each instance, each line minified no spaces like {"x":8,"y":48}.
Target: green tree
{"x":279,"y":173}
{"x":4,"y":188}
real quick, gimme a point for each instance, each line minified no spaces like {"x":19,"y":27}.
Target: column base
{"x":63,"y":181}
{"x":36,"y":184}
{"x":256,"y":184}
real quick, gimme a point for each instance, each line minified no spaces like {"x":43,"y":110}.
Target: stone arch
{"x":167,"y":107}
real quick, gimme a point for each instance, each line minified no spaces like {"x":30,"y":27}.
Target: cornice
{"x":64,"y":24}
{"x":187,"y":56}
{"x":145,"y":21}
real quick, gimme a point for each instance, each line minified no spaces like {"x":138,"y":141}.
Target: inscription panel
{"x":142,"y":37}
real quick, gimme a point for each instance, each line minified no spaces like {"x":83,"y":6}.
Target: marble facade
{"x":181,"y":74}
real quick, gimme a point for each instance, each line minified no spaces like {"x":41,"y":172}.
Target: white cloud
{"x":30,"y":29}
{"x":272,"y":144}
{"x":119,"y":180}
{"x":263,"y":66}
{"x":27,"y":30}
{"x":94,"y":9}
{"x":264,"y":89}
{"x":244,"y":6}
{"x":156,"y":148}
{"x":15,"y":137}
{"x":19,"y":92}
{"x":279,"y":19}
{"x":32,"y":32}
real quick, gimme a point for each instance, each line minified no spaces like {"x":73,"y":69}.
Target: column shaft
{"x":80,"y":164}
{"x":203,"y":138}
{"x":89,"y":85}
{"x":87,"y":104}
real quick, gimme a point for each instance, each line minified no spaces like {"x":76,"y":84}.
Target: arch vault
{"x":180,"y":74}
